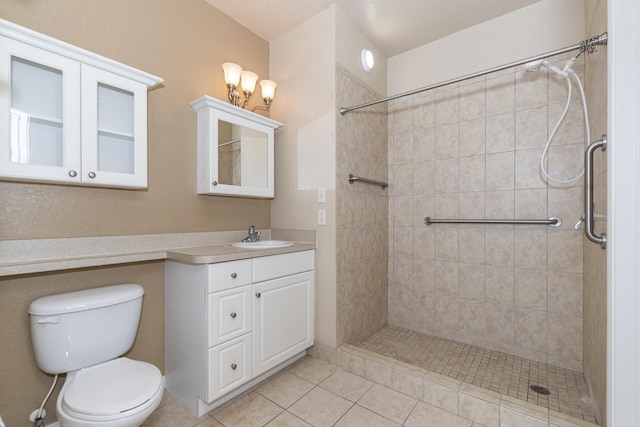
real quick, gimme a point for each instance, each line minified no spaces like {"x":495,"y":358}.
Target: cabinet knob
{"x":73,"y":173}
{"x":233,"y":315}
{"x":258,"y":294}
{"x":234,"y":366}
{"x":92,"y":174}
{"x":234,"y":275}
{"x":215,"y":183}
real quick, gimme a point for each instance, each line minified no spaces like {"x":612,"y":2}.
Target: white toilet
{"x":83,"y":334}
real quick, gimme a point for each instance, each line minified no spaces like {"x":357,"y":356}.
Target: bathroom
{"x":153,"y":35}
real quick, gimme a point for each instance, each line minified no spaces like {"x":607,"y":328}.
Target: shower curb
{"x":476,"y":404}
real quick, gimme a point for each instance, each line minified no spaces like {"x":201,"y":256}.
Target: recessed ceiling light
{"x":367,"y":59}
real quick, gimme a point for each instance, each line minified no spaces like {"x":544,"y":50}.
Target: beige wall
{"x":24,"y":386}
{"x":183,"y":42}
{"x":303,"y":64}
{"x":595,"y":259}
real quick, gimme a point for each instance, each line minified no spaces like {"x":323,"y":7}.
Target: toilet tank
{"x":75,"y":330}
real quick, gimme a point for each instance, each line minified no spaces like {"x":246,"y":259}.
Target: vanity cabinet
{"x":229,"y":325}
{"x":70,"y":116}
{"x":234,"y":150}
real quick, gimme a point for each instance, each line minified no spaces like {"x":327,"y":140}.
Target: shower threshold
{"x":447,"y":366}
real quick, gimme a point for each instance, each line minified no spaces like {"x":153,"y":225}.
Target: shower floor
{"x":489,"y":369}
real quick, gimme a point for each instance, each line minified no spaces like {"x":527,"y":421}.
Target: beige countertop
{"x":222,"y":253}
{"x":19,"y":257}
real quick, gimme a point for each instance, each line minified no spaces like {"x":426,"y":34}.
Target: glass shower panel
{"x":115,"y":130}
{"x":36,"y":113}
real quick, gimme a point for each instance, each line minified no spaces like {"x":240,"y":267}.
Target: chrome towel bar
{"x":554,"y":221}
{"x":353,"y":178}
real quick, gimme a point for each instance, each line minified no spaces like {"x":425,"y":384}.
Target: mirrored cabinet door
{"x":235,"y":150}
{"x":38,"y":114}
{"x":242,"y":156}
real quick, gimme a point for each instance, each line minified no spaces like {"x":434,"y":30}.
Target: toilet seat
{"x":110,"y":390}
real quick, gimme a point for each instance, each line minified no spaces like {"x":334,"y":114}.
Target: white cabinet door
{"x":39,"y":114}
{"x":114,"y":129}
{"x":229,"y":366}
{"x":282,"y":320}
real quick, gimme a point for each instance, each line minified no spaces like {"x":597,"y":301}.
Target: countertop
{"x":18,"y":257}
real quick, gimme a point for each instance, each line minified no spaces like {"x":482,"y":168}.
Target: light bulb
{"x":367,"y":60}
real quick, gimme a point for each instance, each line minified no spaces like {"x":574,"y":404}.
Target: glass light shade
{"x":268,"y":88}
{"x":366,"y":58}
{"x":249,"y":80}
{"x":232,"y":73}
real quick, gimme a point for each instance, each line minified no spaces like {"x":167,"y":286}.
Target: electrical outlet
{"x":322,"y":217}
{"x":321,"y":195}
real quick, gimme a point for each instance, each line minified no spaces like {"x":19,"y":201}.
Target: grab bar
{"x":353,"y":178}
{"x":588,"y":192}
{"x":554,"y":221}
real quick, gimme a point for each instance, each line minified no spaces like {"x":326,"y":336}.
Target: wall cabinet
{"x":68,"y":115}
{"x":228,"y":325}
{"x":235,"y":150}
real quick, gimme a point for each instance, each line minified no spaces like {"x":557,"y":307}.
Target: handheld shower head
{"x":535,"y":66}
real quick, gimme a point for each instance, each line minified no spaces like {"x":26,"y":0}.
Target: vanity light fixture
{"x":235,"y":76}
{"x":366,"y":57}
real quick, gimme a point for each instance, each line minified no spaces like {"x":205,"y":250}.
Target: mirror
{"x":242,"y":156}
{"x":235,"y":150}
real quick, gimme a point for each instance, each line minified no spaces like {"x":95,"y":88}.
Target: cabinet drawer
{"x":229,"y":366}
{"x":227,"y":275}
{"x":274,"y":266}
{"x":229,"y":314}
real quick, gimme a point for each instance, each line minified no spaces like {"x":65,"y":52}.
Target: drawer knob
{"x":234,"y":275}
{"x":233,"y":315}
{"x":258,"y":294}
{"x":234,"y":366}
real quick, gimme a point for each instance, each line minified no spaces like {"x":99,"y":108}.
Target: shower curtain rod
{"x":585,"y":46}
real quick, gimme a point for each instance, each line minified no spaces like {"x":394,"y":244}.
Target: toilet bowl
{"x":117,"y":393}
{"x":84,"y":334}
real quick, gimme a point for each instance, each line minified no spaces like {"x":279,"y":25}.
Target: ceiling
{"x":394,"y":26}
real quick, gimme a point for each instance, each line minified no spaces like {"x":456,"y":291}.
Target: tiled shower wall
{"x":595,"y":259}
{"x":472,"y":150}
{"x":361,"y":213}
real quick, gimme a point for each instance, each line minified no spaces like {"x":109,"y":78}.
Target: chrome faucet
{"x":253,"y":236}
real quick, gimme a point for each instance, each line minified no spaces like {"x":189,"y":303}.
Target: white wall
{"x":536,"y":29}
{"x":302,"y":61}
{"x":351,"y":41}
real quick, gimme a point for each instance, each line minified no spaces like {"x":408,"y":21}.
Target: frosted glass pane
{"x":115,"y":110}
{"x":115,"y":153}
{"x":35,"y":141}
{"x":36,"y":89}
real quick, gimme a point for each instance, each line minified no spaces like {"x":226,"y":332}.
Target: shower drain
{"x":540,"y":390}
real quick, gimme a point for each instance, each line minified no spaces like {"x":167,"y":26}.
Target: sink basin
{"x":263,"y":244}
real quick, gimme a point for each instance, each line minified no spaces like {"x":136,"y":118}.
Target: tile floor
{"x":491,"y":370}
{"x":312,"y":392}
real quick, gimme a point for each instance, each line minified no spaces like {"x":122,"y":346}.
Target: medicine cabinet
{"x":69,"y":116}
{"x":235,"y":150}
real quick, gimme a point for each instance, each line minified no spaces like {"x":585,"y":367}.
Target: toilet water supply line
{"x":39,"y":412}
{"x":566,"y":72}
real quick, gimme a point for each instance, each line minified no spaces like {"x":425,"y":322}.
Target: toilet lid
{"x":113,"y":387}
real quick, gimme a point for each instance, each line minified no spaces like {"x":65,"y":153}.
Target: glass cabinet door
{"x":39,"y":114}
{"x":114,"y":130}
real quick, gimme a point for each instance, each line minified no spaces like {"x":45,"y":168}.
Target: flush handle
{"x":55,"y":320}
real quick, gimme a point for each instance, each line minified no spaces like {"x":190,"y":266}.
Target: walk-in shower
{"x":489,"y":303}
